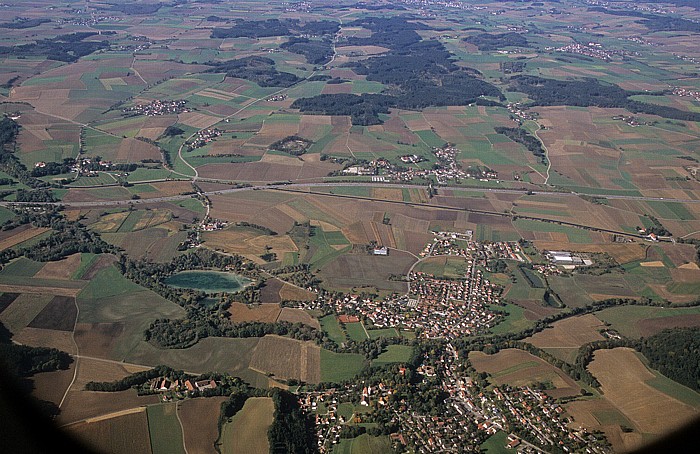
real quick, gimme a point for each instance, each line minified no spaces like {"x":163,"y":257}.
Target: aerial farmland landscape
{"x":349,"y":227}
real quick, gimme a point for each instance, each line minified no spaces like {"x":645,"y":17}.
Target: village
{"x":446,"y":169}
{"x":158,"y":107}
{"x":435,"y":307}
{"x":593,"y":50}
{"x":470,"y":412}
{"x":203,"y":137}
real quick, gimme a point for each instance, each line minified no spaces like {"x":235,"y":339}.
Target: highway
{"x":295,"y":187}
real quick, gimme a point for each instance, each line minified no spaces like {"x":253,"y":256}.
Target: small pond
{"x":208,"y":281}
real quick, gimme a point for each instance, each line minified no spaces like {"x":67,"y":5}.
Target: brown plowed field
{"x":240,"y":312}
{"x":199,"y":420}
{"x":58,"y":315}
{"x":287,"y":358}
{"x":291,"y":315}
{"x":125,"y":434}
{"x":61,"y":269}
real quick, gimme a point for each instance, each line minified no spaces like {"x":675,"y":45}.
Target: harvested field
{"x":247,"y":431}
{"x":623,"y":378}
{"x":61,"y":269}
{"x":298,"y":316}
{"x":199,"y":420}
{"x":97,"y":339}
{"x":293,"y":293}
{"x":50,"y":386}
{"x":80,"y":405}
{"x":58,"y":315}
{"x":519,"y":368}
{"x":20,"y":235}
{"x":356,"y":270}
{"x":287,"y":358}
{"x":570,"y":332}
{"x":266,"y":312}
{"x":600,"y":414}
{"x":123,"y":434}
{"x":37,"y":337}
{"x":41,"y":290}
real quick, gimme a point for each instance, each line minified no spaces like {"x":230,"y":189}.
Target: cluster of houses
{"x":170,"y":388}
{"x":447,"y":169}
{"x":520,"y":113}
{"x":462,"y":245}
{"x":593,"y":50}
{"x":276,"y":98}
{"x":684,"y":92}
{"x":158,"y":107}
{"x":631,"y":120}
{"x":448,"y":309}
{"x":203,"y":137}
{"x":520,"y":410}
{"x":436,"y":308}
{"x":324,"y":406}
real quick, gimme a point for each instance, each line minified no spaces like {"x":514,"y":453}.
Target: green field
{"x":22,"y":267}
{"x":6,"y":215}
{"x":330,"y":325}
{"x":364,"y":444}
{"x":394,"y":354}
{"x":164,"y":429}
{"x":625,"y":319}
{"x":86,"y":260}
{"x":496,"y":444}
{"x":384,"y":332}
{"x":356,"y":331}
{"x":337,"y":367}
{"x":515,"y":320}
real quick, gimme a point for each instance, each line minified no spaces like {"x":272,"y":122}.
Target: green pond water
{"x":208,"y":281}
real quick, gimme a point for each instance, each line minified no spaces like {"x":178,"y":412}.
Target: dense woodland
{"x":418,"y":74}
{"x":590,"y":92}
{"x":275,"y":27}
{"x":65,"y":48}
{"x":316,"y":52}
{"x":495,"y":41}
{"x":260,"y":70}
{"x":676,"y":354}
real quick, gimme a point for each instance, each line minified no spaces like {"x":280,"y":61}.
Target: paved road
{"x":297,"y":186}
